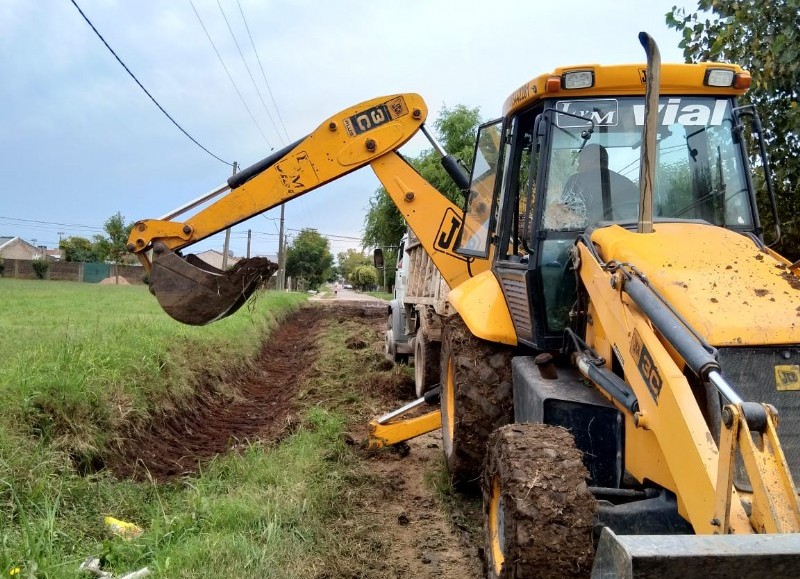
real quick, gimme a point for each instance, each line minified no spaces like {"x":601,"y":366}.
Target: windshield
{"x":594,"y":176}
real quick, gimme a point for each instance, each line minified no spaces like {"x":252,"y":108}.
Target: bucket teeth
{"x":196,"y":293}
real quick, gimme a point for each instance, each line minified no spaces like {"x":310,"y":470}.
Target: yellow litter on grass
{"x":123,"y":529}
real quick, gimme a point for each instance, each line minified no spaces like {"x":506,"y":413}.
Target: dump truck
{"x":621,"y":375}
{"x":415,"y":313}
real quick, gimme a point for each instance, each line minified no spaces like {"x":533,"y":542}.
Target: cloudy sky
{"x":80,"y":141}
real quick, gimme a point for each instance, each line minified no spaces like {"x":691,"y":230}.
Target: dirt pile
{"x":114,"y":280}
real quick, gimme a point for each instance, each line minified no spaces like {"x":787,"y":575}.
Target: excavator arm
{"x":367,"y":134}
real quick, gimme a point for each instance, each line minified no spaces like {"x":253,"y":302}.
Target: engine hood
{"x":731,"y":291}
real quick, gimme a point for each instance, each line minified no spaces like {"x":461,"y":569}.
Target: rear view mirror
{"x":377,"y":257}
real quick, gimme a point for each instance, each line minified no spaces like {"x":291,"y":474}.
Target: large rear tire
{"x":427,"y":356}
{"x":476,"y":398}
{"x":538,"y":510}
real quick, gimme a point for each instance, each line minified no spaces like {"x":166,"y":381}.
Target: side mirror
{"x":377,"y":257}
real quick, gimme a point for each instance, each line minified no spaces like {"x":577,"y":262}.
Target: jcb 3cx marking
{"x":375,"y":116}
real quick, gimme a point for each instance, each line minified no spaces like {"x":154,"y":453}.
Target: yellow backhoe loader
{"x":626,"y":344}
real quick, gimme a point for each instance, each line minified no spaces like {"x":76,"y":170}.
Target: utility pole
{"x":281,"y":282}
{"x":249,"y":236}
{"x":227,"y":243}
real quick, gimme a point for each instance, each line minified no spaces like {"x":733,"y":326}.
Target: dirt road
{"x":421,"y":530}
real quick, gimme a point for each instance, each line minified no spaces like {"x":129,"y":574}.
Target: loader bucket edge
{"x":196,"y":293}
{"x":696,"y":556}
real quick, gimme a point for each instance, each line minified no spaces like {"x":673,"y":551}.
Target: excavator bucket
{"x":696,"y":556}
{"x":196,"y":293}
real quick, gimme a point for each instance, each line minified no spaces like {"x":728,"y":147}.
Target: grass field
{"x":78,"y":361}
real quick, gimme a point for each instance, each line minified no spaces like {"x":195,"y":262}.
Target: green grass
{"x":80,"y":360}
{"x":382,"y":295}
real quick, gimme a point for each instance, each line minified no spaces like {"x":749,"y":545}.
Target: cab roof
{"x":626,"y":80}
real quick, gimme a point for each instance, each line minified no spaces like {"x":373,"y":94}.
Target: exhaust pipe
{"x":647,"y":166}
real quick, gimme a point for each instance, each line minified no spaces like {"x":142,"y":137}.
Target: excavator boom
{"x":195,"y":293}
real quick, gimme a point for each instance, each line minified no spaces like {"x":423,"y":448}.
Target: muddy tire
{"x":426,"y":364}
{"x":538,"y":510}
{"x":476,"y":399}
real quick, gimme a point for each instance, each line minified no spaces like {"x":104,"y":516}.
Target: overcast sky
{"x":80,"y":141}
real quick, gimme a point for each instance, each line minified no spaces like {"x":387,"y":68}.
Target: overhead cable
{"x":174,"y":122}
{"x":253,"y":44}
{"x":236,"y":88}
{"x":253,"y":80}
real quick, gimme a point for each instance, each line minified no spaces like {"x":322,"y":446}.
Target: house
{"x":214,"y":258}
{"x":18,"y":248}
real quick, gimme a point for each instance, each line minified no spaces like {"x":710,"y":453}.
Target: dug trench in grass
{"x":269,"y":506}
{"x":261,"y":405}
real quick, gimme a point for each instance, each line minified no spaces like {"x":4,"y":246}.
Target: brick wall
{"x":66,"y":271}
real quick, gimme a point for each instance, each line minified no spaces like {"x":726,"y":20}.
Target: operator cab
{"x":558,"y":165}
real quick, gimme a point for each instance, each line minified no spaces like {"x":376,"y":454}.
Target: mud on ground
{"x":409,"y":524}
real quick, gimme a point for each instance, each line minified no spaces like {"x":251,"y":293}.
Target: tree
{"x":349,"y":260}
{"x":456,"y":129}
{"x":114,"y":246}
{"x":78,"y":248}
{"x":763,"y":36}
{"x":365,"y":277}
{"x":309,"y":258}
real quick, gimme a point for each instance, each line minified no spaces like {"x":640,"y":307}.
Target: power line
{"x":174,"y":122}
{"x":36,"y":223}
{"x":236,"y":88}
{"x":253,"y":44}
{"x":250,"y":74}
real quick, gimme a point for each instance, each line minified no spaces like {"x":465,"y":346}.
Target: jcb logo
{"x":646,"y":366}
{"x":448,"y":232}
{"x":787,"y":377}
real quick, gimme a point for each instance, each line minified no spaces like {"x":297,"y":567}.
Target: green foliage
{"x":40,"y":267}
{"x":349,"y":260}
{"x":456,"y":129}
{"x":762,"y":36}
{"x":364,"y":277}
{"x":308,"y":258}
{"x":114,"y":246}
{"x":80,"y":249}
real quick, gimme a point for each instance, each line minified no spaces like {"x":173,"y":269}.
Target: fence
{"x":74,"y":271}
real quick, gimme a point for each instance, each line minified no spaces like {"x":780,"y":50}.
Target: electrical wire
{"x":174,"y":122}
{"x":263,"y":74}
{"x":236,"y":88}
{"x":250,"y":74}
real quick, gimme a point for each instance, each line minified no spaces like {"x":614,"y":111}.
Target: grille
{"x":752,"y":373}
{"x":517,"y":299}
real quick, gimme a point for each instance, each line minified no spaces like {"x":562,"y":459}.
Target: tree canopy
{"x":348,"y":261}
{"x":101,"y":248}
{"x":308,"y":258}
{"x":76,"y":248}
{"x":456,"y":129}
{"x":114,"y":245}
{"x":365,"y":277}
{"x":763,"y":36}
